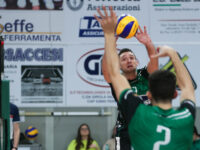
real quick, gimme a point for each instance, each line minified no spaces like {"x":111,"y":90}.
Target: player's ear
{"x":149,"y":95}
{"x":175,"y":94}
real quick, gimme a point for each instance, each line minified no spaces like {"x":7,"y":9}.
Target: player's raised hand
{"x":108,"y":22}
{"x":142,"y":36}
{"x":163,"y":51}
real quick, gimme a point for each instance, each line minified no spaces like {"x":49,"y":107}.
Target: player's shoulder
{"x":180,"y":113}
{"x":13,"y":106}
{"x":188,"y":102}
{"x":144,"y":107}
{"x":143,"y":71}
{"x":144,"y":111}
{"x":189,"y":105}
{"x":143,"y":68}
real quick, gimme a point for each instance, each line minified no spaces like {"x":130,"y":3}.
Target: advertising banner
{"x":85,"y":82}
{"x":82,"y":27}
{"x":35,"y":74}
{"x":175,"y":21}
{"x":32,"y":27}
{"x":54,"y":48}
{"x":71,"y":76}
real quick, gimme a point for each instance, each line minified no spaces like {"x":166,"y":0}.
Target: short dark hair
{"x":125,"y":50}
{"x":162,"y":85}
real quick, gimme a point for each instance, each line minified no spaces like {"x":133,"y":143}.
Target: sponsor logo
{"x":90,"y":27}
{"x":75,"y":4}
{"x":22,"y":30}
{"x":18,"y":26}
{"x":88,"y":68}
{"x":30,"y":54}
{"x":92,"y":5}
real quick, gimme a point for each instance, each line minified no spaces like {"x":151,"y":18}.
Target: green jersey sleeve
{"x":190,"y":105}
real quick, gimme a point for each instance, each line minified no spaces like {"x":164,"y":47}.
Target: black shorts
{"x":123,"y":141}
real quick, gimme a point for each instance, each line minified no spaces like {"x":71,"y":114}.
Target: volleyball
{"x":127,"y":26}
{"x":31,"y":132}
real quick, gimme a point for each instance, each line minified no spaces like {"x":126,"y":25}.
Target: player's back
{"x":153,"y":128}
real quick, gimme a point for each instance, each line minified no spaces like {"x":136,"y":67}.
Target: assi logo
{"x":88,"y":68}
{"x":90,"y":27}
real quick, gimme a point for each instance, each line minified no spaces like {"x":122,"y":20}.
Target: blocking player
{"x":157,"y":127}
{"x":137,"y":78}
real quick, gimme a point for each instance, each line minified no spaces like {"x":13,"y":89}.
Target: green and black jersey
{"x":152,"y":128}
{"x":139,"y":86}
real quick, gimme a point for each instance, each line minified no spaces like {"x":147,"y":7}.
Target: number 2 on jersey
{"x":157,"y":144}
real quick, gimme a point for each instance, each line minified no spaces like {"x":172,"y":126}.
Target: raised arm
{"x":108,"y":23}
{"x":182,"y":75}
{"x":104,"y":66}
{"x":105,"y":70}
{"x":144,"y":38}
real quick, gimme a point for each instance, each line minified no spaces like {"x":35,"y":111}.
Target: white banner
{"x":62,"y":37}
{"x":35,"y":74}
{"x":175,"y":21}
{"x":71,"y":76}
{"x":32,"y":27}
{"x":85,"y":83}
{"x":82,"y":27}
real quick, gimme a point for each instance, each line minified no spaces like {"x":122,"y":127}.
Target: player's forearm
{"x":105,"y":69}
{"x":111,"y":55}
{"x":183,"y":77}
{"x":16,"y":138}
{"x":153,"y":63}
{"x":150,"y":48}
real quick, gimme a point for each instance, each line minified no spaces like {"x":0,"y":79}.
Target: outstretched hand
{"x":142,"y":36}
{"x":108,"y":23}
{"x":163,"y":51}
